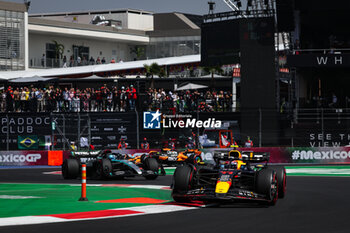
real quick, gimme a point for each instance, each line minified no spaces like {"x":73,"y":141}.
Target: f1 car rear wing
{"x":255,"y":156}
{"x":242,"y":155}
{"x":85,"y":154}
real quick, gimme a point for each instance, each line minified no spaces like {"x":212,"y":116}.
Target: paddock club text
{"x":23,"y":125}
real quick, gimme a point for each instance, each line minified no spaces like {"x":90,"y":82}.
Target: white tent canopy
{"x":33,"y":79}
{"x":191,"y":86}
{"x":215,"y":76}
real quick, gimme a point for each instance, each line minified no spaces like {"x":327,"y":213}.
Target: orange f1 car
{"x":170,"y":157}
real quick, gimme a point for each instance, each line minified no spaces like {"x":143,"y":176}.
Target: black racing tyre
{"x":104,"y":168}
{"x":143,"y":157}
{"x":194,"y":158}
{"x":281,"y":180}
{"x":70,"y":168}
{"x":266,"y":183}
{"x":182,"y":182}
{"x":151,"y":164}
{"x":182,"y":178}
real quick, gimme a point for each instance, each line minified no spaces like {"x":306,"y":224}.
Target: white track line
{"x":316,"y":171}
{"x":126,"y":186}
{"x":151,"y":209}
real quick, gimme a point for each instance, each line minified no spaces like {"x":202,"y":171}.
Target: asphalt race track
{"x":27,"y":175}
{"x":312,"y":204}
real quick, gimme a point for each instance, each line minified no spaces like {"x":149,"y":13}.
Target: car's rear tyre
{"x":266,"y":184}
{"x":143,"y":157}
{"x":104,"y":168}
{"x":70,"y":168}
{"x":281,"y":180}
{"x":182,"y":182}
{"x":152,"y":165}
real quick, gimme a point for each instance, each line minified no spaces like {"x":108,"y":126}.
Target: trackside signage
{"x":157,"y":120}
{"x":23,"y":158}
{"x":321,"y":155}
{"x":281,"y":155}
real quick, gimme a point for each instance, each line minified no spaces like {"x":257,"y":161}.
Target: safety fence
{"x":104,"y":130}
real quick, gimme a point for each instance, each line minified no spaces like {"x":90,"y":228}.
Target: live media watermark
{"x":154,"y":120}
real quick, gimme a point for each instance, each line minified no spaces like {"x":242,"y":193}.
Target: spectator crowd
{"x":104,"y":99}
{"x":52,"y":99}
{"x":189,"y":101}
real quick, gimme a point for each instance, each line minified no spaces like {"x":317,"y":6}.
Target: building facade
{"x":83,"y":38}
{"x":13,"y":36}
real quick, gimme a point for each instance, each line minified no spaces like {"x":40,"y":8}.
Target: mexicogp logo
{"x":151,"y":120}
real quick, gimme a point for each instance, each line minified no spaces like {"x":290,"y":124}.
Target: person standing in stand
{"x":109,"y":101}
{"x":43,"y":60}
{"x":98,"y":60}
{"x":59,"y":99}
{"x":32,"y":100}
{"x":172,"y":144}
{"x":99,"y":100}
{"x":64,"y":62}
{"x":122,"y":144}
{"x":9,"y":100}
{"x":73,"y":147}
{"x":2,"y":101}
{"x":71,"y":61}
{"x":115,"y":101}
{"x":123,"y":97}
{"x":144,"y":144}
{"x":191,"y":144}
{"x":71,"y":94}
{"x":92,"y":100}
{"x":131,"y":93}
{"x":16,"y":97}
{"x":248,"y":143}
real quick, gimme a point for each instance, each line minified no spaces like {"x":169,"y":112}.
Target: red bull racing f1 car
{"x":235,"y":176}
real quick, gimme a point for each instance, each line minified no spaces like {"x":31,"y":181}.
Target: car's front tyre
{"x":183,"y":178}
{"x":152,"y":165}
{"x":267,"y":185}
{"x":104,"y":168}
{"x":70,"y":168}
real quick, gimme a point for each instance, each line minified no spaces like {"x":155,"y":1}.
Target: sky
{"x":199,"y":7}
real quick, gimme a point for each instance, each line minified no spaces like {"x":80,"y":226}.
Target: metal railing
{"x":322,"y":51}
{"x":318,"y":115}
{"x":47,"y":63}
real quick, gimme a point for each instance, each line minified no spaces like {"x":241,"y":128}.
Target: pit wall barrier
{"x":281,"y":155}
